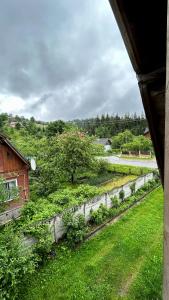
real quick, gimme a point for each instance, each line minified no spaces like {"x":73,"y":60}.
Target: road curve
{"x":131,"y":162}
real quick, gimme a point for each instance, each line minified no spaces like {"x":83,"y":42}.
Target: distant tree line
{"x":108,"y":126}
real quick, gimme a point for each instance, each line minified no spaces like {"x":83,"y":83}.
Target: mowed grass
{"x":124,"y":261}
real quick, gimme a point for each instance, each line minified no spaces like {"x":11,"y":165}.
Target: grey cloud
{"x":68,"y":55}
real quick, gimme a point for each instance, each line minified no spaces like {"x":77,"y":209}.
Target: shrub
{"x":102,"y":166}
{"x":122,"y":195}
{"x":75,"y":228}
{"x":100,"y":215}
{"x":43,"y":238}
{"x":133,"y":188}
{"x":115,"y":201}
{"x":16,"y":261}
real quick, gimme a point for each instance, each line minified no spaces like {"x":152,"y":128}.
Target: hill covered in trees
{"x":110,"y":125}
{"x":100,"y":126}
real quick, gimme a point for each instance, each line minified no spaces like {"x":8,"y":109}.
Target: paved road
{"x":131,"y":162}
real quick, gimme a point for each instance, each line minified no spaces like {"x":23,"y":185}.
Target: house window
{"x":11,"y":189}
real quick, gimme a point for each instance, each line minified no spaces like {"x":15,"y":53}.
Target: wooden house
{"x":105,"y":142}
{"x":14,"y":170}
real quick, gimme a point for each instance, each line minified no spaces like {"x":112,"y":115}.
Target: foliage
{"x":98,"y":149}
{"x":3,"y":120}
{"x":3,"y":191}
{"x":107,"y":125}
{"x":115,"y":201}
{"x":76,"y":153}
{"x":69,"y":197}
{"x":133,"y":188}
{"x":100,"y":215}
{"x":75,"y":228}
{"x":54,"y":128}
{"x":122,"y":195}
{"x":126,"y":141}
{"x":43,"y":238}
{"x":102,"y":166}
{"x":16,"y":261}
{"x":125,"y":169}
{"x":139,"y":143}
{"x":37,"y":211}
{"x":122,"y":138}
{"x":133,"y":245}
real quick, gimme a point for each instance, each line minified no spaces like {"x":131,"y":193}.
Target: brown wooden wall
{"x":12,"y":167}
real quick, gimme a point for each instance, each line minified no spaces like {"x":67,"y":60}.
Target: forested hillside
{"x":101,"y":126}
{"x":108,"y":126}
{"x":64,"y":151}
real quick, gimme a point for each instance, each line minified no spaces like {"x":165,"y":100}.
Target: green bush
{"x":75,"y":228}
{"x":16,"y":261}
{"x":43,"y":238}
{"x":102,"y":166}
{"x":100,"y":215}
{"x":133,"y":188}
{"x":122,"y":195}
{"x":124,"y":169}
{"x":115,"y":201}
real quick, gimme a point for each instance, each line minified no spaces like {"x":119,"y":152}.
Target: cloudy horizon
{"x":64,"y":60}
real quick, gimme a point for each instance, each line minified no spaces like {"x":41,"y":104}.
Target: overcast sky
{"x":63,"y":59}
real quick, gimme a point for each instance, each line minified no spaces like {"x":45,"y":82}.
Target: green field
{"x":124,"y":261}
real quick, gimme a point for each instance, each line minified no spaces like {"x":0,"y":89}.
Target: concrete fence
{"x":56,"y":223}
{"x":9,"y":215}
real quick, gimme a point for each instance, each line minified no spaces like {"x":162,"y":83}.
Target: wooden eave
{"x":143,"y":27}
{"x":4,"y":140}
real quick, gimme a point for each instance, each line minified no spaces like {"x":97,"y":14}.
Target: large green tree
{"x":139,"y":143}
{"x":122,"y":138}
{"x":76,"y":153}
{"x":56,"y":127}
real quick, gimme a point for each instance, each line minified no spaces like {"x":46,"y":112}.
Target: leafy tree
{"x":3,"y":120}
{"x":18,"y":126}
{"x":102,"y":131}
{"x":121,"y":138}
{"x":56,"y":127}
{"x":76,"y":153}
{"x":139,"y":143}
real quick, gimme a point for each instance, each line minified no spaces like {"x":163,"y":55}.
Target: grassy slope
{"x":122,"y":262}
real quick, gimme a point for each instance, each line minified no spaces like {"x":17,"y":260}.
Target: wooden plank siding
{"x":12,"y":167}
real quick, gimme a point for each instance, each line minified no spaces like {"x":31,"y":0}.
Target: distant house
{"x":147,"y":133}
{"x":105,"y":142}
{"x":13,"y":124}
{"x":14,"y":170}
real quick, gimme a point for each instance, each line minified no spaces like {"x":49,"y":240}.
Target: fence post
{"x":106,"y":199}
{"x":144,"y":179}
{"x":84,"y":209}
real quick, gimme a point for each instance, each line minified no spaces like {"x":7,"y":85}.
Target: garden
{"x":123,"y":262}
{"x":68,"y":176}
{"x":23,"y":260}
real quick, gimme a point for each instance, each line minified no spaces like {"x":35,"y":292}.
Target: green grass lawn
{"x":124,"y":261}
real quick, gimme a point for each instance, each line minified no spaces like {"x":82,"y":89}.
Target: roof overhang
{"x":5,"y":140}
{"x":143,"y":27}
